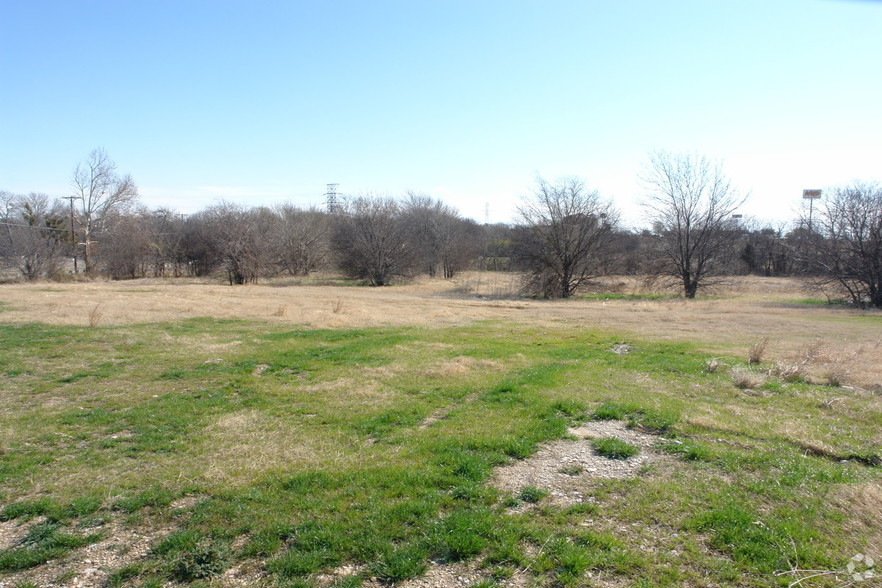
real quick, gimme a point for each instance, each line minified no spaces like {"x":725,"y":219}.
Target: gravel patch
{"x":90,"y":565}
{"x":563,"y":467}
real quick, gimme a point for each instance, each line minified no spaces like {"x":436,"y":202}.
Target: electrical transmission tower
{"x":331,"y":198}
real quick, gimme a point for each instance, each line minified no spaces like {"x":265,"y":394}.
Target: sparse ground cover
{"x":375,"y":448}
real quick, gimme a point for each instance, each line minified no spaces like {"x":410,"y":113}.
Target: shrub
{"x":712,"y":365}
{"x":757,"y":350}
{"x":744,"y":378}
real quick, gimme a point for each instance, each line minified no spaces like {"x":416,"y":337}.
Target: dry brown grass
{"x":757,"y":351}
{"x":745,"y":378}
{"x":846,"y":345}
{"x":459,"y":366}
{"x":862,"y":504}
{"x":95,"y":316}
{"x":248,"y":444}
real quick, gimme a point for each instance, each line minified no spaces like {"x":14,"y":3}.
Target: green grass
{"x":613,"y":448}
{"x":532,"y":494}
{"x":361,"y":447}
{"x":818,"y":302}
{"x":42,"y":542}
{"x":649,"y":419}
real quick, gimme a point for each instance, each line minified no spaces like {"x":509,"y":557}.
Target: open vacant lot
{"x":442,"y":433}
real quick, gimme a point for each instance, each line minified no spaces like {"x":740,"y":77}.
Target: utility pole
{"x":73,"y":233}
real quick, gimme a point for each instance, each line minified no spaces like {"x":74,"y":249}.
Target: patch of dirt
{"x":563,"y":467}
{"x":186,"y":502}
{"x":88,"y":566}
{"x":248,"y":573}
{"x":11,"y":532}
{"x":454,"y":575}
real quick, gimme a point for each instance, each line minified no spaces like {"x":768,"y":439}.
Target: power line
{"x":6,"y":224}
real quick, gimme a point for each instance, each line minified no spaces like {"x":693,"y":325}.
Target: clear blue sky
{"x":467,"y":101}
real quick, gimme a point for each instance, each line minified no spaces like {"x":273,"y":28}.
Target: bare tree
{"x":166,"y":234}
{"x":126,"y":247}
{"x":371,"y":241}
{"x":566,"y":237}
{"x":848,"y":251}
{"x":34,"y":235}
{"x":101,"y":191}
{"x":7,"y":207}
{"x":302,"y":238}
{"x":238,"y":237}
{"x":764,"y":251}
{"x":445,"y":242}
{"x":199,"y":244}
{"x":690,"y":204}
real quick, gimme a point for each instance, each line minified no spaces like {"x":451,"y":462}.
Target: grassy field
{"x":342,"y":436}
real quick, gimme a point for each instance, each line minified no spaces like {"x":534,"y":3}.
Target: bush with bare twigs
{"x":745,"y":378}
{"x":757,"y":350}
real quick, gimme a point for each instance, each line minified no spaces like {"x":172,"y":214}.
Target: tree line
{"x":566,"y":235}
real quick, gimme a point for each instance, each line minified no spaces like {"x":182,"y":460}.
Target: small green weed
{"x":565,"y":561}
{"x":402,"y":563}
{"x":571,"y":470}
{"x":613,"y":448}
{"x":124,"y":575}
{"x":203,"y":560}
{"x":532,"y":494}
{"x":689,"y":450}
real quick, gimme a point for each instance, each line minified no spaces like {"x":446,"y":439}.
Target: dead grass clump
{"x":240,"y":446}
{"x":757,"y":350}
{"x":337,"y":306}
{"x":836,"y":377}
{"x":459,"y":366}
{"x":821,"y":363}
{"x":862,"y":503}
{"x":489,"y":284}
{"x":817,"y":449}
{"x":281,"y":311}
{"x":745,"y":378}
{"x":787,"y":371}
{"x":95,"y":316}
{"x":713,"y":365}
